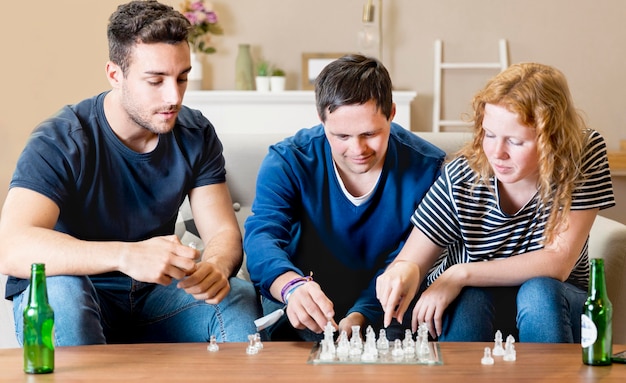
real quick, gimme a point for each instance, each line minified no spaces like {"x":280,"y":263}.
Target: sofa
{"x":244,"y":154}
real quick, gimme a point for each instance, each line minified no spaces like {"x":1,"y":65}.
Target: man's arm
{"x":27,"y":236}
{"x":213,"y":214}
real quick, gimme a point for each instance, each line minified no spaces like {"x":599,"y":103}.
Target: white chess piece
{"x":422,"y":346}
{"x":251,"y":349}
{"x":510,"y":355}
{"x":328,"y":345}
{"x":397,"y":352}
{"x":487,"y":358}
{"x":382,"y":344}
{"x":213,"y":347}
{"x":343,"y":345}
{"x":498,"y":350}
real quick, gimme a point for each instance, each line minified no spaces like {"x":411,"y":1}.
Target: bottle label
{"x":588,"y":331}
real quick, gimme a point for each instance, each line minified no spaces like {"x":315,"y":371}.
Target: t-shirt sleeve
{"x":436,"y":216}
{"x":594,"y":189}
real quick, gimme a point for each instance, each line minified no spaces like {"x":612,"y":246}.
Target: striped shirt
{"x":466,"y":219}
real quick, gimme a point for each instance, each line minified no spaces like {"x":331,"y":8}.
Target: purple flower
{"x":204,"y":22}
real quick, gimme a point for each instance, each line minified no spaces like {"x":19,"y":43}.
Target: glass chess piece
{"x":213,"y":347}
{"x":498,"y":350}
{"x":487,"y":359}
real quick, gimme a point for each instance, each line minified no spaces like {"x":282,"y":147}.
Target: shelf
{"x":286,"y":112}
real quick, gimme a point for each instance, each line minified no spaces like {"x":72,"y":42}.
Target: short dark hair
{"x":353,"y":79}
{"x":143,"y":21}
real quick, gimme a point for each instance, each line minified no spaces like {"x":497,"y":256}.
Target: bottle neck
{"x":38,"y":291}
{"x":597,"y":281}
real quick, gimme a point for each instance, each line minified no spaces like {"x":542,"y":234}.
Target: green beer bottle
{"x":38,"y":325}
{"x":596,"y":321}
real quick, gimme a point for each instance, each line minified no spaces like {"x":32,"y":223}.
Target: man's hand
{"x":310,"y":308}
{"x":207,"y":282}
{"x":353,"y":319}
{"x":158,"y":260}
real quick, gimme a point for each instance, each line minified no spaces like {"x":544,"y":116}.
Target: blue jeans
{"x":119,"y":309}
{"x":541,"y":310}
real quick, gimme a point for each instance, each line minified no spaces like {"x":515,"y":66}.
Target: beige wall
{"x":54,"y":52}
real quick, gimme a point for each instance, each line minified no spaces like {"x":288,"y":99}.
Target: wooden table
{"x":287,"y":362}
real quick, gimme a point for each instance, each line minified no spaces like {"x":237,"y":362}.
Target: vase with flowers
{"x":204,"y":23}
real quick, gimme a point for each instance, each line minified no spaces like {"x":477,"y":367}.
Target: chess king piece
{"x":38,"y":325}
{"x":596,"y":319}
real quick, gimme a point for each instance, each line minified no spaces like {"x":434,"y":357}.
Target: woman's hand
{"x":396,"y":287}
{"x":433,"y":302}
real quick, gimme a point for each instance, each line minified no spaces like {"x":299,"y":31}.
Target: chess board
{"x":432,"y":358}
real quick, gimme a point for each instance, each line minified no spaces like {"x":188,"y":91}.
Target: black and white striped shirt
{"x":466,"y":219}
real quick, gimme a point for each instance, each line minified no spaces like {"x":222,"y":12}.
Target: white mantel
{"x":272,"y":112}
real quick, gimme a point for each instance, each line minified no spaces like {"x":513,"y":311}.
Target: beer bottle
{"x":596,"y":321}
{"x":38,"y":325}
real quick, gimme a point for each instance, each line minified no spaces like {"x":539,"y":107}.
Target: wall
{"x":55,"y":52}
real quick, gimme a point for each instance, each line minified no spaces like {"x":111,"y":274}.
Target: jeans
{"x":542,"y":310}
{"x":118,"y":309}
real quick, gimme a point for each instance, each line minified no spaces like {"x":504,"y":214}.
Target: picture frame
{"x":312,"y":65}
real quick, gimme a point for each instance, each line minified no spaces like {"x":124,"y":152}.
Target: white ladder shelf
{"x":440,"y":66}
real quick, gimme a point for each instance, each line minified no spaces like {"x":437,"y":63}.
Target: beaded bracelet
{"x":292,"y":285}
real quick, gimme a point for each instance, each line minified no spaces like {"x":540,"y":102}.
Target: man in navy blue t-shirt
{"x":95,"y":196}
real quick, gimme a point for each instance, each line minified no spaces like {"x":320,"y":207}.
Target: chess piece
{"x":213,"y":347}
{"x":328,"y":344}
{"x":251,"y":349}
{"x":487,"y":358}
{"x":382,"y":344}
{"x":257,"y":341}
{"x":498,"y":350}
{"x":408,"y":344}
{"x":356,"y":343}
{"x":509,"y":349}
{"x":343,"y":346}
{"x":370,"y":352}
{"x":396,"y":351}
{"x":422,"y":346}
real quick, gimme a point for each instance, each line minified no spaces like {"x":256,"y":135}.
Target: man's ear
{"x":114,"y":74}
{"x":393,"y":112}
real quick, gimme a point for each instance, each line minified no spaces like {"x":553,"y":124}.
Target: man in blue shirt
{"x":335,"y":201}
{"x":95,"y":196}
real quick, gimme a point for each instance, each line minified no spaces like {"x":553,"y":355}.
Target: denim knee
{"x":76,"y":312}
{"x":238,"y":311}
{"x":543,"y":311}
{"x":470,"y":317}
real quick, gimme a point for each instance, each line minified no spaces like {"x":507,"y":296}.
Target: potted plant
{"x":277,"y":80}
{"x":262,"y":76}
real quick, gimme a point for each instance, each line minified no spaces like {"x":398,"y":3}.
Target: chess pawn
{"x":213,"y":347}
{"x":251,"y":349}
{"x":343,"y":345}
{"x":408,"y":344}
{"x":326,"y":353}
{"x":382,"y":344}
{"x":257,"y":341}
{"x":370,"y":352}
{"x":487,"y":358}
{"x":396,"y":351}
